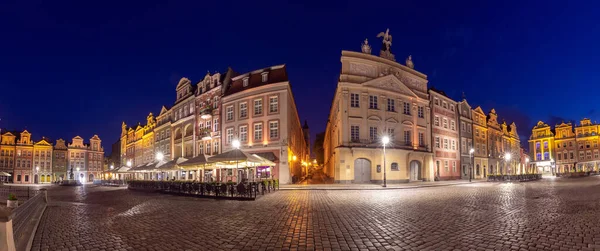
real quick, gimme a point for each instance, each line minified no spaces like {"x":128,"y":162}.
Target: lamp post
{"x":471,"y":151}
{"x":78,"y":175}
{"x":526,"y":165}
{"x":385,"y":140}
{"x":37,"y":170}
{"x":159,"y":157}
{"x":236,"y":145}
{"x":129,"y":164}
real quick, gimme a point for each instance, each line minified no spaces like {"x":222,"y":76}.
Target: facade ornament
{"x":409,"y":62}
{"x":366,"y":48}
{"x":386,"y":46}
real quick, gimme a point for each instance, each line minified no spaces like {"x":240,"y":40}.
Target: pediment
{"x":479,"y":110}
{"x":8,"y":134}
{"x":163,"y":110}
{"x":407,"y":122}
{"x":373,"y":117}
{"x":43,"y":142}
{"x":391,"y":120}
{"x":391,"y":83}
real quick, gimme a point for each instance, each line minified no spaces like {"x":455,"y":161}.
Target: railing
{"x":517,"y":177}
{"x":23,"y":193}
{"x":240,"y":191}
{"x":576,"y":174}
{"x":111,"y":182}
{"x":22,"y":221}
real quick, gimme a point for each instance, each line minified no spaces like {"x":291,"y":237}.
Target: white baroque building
{"x":377,"y":97}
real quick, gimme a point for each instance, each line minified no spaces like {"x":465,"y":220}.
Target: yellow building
{"x":42,"y":162}
{"x":480,"y":143}
{"x":587,"y":145}
{"x":541,"y":143}
{"x":566,"y":147}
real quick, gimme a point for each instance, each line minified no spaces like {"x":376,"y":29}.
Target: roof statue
{"x":386,"y":46}
{"x":409,"y":62}
{"x":366,"y":48}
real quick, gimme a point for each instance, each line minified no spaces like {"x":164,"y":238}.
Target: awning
{"x":268,"y":155}
{"x":5,"y":174}
{"x":230,"y":156}
{"x":200,"y":160}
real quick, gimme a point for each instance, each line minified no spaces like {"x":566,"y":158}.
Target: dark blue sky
{"x":81,"y":67}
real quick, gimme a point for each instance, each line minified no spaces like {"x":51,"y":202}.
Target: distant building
{"x":59,"y":161}
{"x":466,"y":141}
{"x":42,"y":162}
{"x":446,"y":140}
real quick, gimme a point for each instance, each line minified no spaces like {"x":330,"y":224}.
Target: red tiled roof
{"x":277,"y":74}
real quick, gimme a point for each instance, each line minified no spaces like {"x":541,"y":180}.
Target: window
{"x":191,"y":110}
{"x":483,"y":134}
{"x":258,"y":132}
{"x":452,"y":109}
{"x":229,"y":112}
{"x":243,"y":134}
{"x":436,"y":121}
{"x":373,"y":133}
{"x":421,"y":139}
{"x":395,"y":167}
{"x":407,"y":138}
{"x":545,"y":144}
{"x":406,"y":108}
{"x":445,"y":143}
{"x":258,"y":107}
{"x":559,"y":156}
{"x":245,"y":82}
{"x":390,"y":132}
{"x":216,"y":147}
{"x":437,"y":142}
{"x":229,"y":135}
{"x":477,"y":132}
{"x":19,"y":177}
{"x":446,"y":163}
{"x":354,"y":133}
{"x":463,"y":146}
{"x":571,"y":155}
{"x":469,"y":128}
{"x":595,"y":154}
{"x":243,"y":110}
{"x":420,"y":112}
{"x":589,"y":154}
{"x":391,"y":105}
{"x":445,"y":123}
{"x":216,"y":125}
{"x":373,"y":102}
{"x":273,"y":104}
{"x":463,"y":126}
{"x":452,"y":125}
{"x":565,"y":156}
{"x":437,"y":101}
{"x":273,"y":129}
{"x":581,"y":155}
{"x":265,"y":77}
{"x":26,"y":178}
{"x":445,"y":105}
{"x":354,"y":100}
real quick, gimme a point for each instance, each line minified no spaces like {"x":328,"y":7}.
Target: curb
{"x":378,"y":188}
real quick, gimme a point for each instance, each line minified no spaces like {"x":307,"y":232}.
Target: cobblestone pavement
{"x":553,"y":214}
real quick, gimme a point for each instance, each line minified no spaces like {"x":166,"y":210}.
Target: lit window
{"x":445,"y":123}
{"x":229,"y":135}
{"x":273,"y":104}
{"x":436,"y":121}
{"x":273,"y":129}
{"x":437,"y":142}
{"x":258,"y":107}
{"x":445,"y":143}
{"x":258,"y":132}
{"x":243,"y":134}
{"x":243,"y":110}
{"x":452,"y":125}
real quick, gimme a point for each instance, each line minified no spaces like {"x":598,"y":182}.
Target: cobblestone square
{"x":552,"y":214}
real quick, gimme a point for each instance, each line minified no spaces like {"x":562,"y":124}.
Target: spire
{"x":464,"y":97}
{"x":305,"y":125}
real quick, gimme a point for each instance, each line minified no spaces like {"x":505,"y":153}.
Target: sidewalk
{"x":411,"y":185}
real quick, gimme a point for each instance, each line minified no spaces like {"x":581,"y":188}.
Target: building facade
{"x":445,"y":135}
{"x":24,"y":159}
{"x":42,"y":162}
{"x":59,"y":160}
{"x":377,"y":97}
{"x":7,"y":154}
{"x":480,"y":142}
{"x":541,"y":143}
{"x":259,"y":110}
{"x":466,"y":141}
{"x":565,"y":148}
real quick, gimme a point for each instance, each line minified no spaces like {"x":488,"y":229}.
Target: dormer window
{"x":265,"y":77}
{"x":245,"y":82}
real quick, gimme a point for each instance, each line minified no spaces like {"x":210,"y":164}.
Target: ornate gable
{"x":43,"y":142}
{"x":391,"y":83}
{"x":479,"y":110}
{"x":163,"y":110}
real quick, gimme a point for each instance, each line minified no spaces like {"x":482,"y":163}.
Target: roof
{"x":277,"y":74}
{"x":198,"y":160}
{"x":268,"y":155}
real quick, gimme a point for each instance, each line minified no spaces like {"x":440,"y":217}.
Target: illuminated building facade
{"x":466,"y":140}
{"x":446,"y":141}
{"x":480,"y":142}
{"x":541,"y":143}
{"x":566,"y":148}
{"x":375,"y":97}
{"x":259,"y":110}
{"x":59,"y":160}
{"x":24,"y":159}
{"x":42,"y":162}
{"x":7,"y":154}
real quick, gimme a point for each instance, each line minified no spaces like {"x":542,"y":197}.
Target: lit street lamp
{"x":472,"y":163}
{"x":506,"y":160}
{"x":236,"y":145}
{"x":385,"y":140}
{"x":159,"y":156}
{"x":526,"y":165}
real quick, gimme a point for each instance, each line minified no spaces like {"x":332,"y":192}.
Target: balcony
{"x":215,"y":134}
{"x":206,"y":112}
{"x":205,"y":134}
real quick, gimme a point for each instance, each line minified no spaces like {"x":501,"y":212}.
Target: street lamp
{"x":159,"y":156}
{"x":129,"y":163}
{"x":471,"y":151}
{"x":506,"y":160}
{"x":112,"y":167}
{"x":526,"y":165}
{"x":385,"y":140}
{"x":236,"y":144}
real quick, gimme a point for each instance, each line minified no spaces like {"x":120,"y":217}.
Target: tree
{"x":318,"y":147}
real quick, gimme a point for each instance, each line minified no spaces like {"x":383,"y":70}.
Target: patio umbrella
{"x":5,"y":174}
{"x":200,"y":160}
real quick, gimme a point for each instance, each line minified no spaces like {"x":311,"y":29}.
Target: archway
{"x":35,"y":179}
{"x":362,"y":171}
{"x":415,"y":170}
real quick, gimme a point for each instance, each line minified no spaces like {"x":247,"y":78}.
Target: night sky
{"x":82,"y":67}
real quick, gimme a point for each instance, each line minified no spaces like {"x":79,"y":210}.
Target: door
{"x":35,"y":179}
{"x":415,"y":170}
{"x":362,"y":171}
